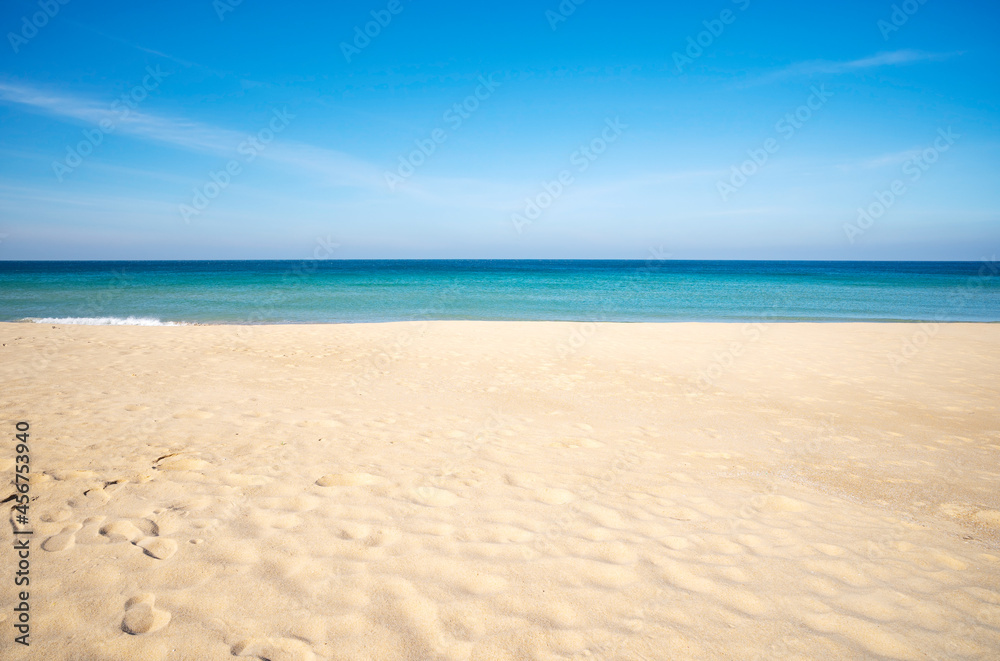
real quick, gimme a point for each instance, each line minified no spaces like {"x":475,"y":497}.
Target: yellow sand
{"x":466,"y":490}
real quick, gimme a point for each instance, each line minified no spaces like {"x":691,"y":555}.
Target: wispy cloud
{"x":178,"y":133}
{"x":331,"y":166}
{"x":325,"y":166}
{"x":897,"y":158}
{"x":875,"y":162}
{"x":830,"y":67}
{"x":184,"y":63}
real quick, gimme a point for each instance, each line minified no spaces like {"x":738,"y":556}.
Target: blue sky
{"x":547,"y":130}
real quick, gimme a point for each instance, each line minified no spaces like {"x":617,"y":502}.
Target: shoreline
{"x":174,"y":324}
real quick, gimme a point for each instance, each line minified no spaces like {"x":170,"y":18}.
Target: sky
{"x":746,"y":129}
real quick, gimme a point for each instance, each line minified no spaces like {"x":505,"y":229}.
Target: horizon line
{"x":506,"y":259}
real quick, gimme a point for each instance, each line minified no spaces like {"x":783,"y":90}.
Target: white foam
{"x":104,"y":321}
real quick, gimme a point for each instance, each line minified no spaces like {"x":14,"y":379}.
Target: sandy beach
{"x":507,"y":490}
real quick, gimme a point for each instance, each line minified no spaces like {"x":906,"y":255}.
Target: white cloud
{"x":897,"y":158}
{"x":814,"y":67}
{"x":333,"y":167}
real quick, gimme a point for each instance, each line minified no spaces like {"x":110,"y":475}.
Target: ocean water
{"x":329,"y":291}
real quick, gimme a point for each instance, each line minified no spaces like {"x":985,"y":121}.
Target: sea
{"x":351,"y":291}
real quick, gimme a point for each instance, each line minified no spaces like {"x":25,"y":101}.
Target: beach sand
{"x":480,"y":490}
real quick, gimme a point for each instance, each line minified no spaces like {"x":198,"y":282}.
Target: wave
{"x":103,"y":321}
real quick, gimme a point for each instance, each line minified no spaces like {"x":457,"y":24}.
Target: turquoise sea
{"x":329,"y":291}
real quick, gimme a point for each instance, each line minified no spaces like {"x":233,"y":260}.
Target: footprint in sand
{"x":180,"y":462}
{"x":158,"y":547}
{"x":354,"y":530}
{"x":56,"y":516}
{"x":89,"y":534}
{"x":141,"y":616}
{"x":122,"y":531}
{"x":90,"y":499}
{"x":153,"y":545}
{"x":274,"y":649}
{"x":62,"y":541}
